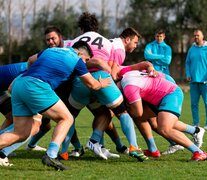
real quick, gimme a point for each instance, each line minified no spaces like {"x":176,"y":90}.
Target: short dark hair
{"x":129,"y":32}
{"x":83,"y":45}
{"x":52,"y":28}
{"x":88,"y":22}
{"x":160,"y":31}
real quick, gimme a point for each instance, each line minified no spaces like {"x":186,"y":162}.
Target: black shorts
{"x":5,"y":106}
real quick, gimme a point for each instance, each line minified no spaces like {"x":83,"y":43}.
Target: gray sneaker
{"x":108,"y":154}
{"x":36,"y":148}
{"x":96,"y":148}
{"x":5,"y":162}
{"x":77,"y":152}
{"x":198,"y":137}
{"x":173,"y":149}
{"x":53,"y":162}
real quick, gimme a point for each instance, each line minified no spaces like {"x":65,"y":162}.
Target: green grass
{"x":27,"y":165}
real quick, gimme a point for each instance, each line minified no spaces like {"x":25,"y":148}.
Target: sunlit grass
{"x":27,"y":165}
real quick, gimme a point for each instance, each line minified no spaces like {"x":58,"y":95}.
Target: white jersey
{"x":119,"y":51}
{"x":134,"y":78}
{"x":101,"y":46}
{"x":66,"y":43}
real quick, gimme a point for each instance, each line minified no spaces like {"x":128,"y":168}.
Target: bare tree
{"x":64,"y":6}
{"x":2,"y":40}
{"x":48,"y":6}
{"x":104,"y":14}
{"x":84,"y":5}
{"x":8,"y":12}
{"x":1,"y":7}
{"x":24,"y":11}
{"x":120,"y":11}
{"x":117,"y":16}
{"x":34,"y":10}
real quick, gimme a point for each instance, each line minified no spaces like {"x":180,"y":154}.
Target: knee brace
{"x":45,"y":120}
{"x":45,"y":126}
{"x":73,"y":110}
{"x":5,"y":106}
{"x":119,"y":109}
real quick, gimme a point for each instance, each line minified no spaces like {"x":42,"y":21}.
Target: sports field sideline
{"x":27,"y":165}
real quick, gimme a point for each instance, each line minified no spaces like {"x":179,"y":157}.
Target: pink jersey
{"x":101,"y":47}
{"x":119,"y":52}
{"x":66,"y":43}
{"x":138,"y":85}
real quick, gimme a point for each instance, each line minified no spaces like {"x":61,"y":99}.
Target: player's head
{"x":83,"y":50}
{"x":160,"y":35}
{"x":53,"y":37}
{"x":198,"y":37}
{"x":88,"y":22}
{"x":130,"y":38}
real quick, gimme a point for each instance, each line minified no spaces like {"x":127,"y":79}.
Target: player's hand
{"x":153,"y":73}
{"x":104,"y":82}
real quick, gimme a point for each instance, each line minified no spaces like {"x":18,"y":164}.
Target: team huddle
{"x":88,"y":71}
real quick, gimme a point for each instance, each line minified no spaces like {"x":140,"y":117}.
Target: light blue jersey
{"x":160,"y":55}
{"x":196,"y":63}
{"x":55,"y":65}
{"x":9,"y":72}
{"x":196,"y":70}
{"x":33,"y":92}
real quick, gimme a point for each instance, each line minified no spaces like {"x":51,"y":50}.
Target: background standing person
{"x":159,"y":53}
{"x":196,"y":74}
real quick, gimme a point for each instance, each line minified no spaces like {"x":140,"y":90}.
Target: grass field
{"x":27,"y":165}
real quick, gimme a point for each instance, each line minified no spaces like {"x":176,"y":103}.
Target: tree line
{"x":179,"y":18}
